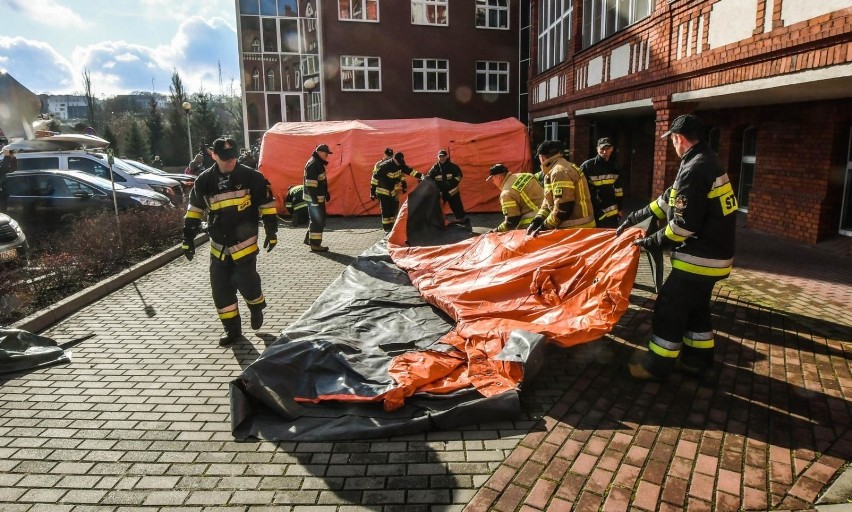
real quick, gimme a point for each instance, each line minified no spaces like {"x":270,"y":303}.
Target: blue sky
{"x":127,"y":45}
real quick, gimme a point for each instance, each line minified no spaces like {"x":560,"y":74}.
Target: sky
{"x":126,"y":45}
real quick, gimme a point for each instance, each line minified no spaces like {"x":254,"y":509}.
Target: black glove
{"x":404,"y":186}
{"x":535,"y":226}
{"x":624,"y":225}
{"x":648,"y":243}
{"x":188,"y":247}
{"x":270,"y":242}
{"x":372,"y":193}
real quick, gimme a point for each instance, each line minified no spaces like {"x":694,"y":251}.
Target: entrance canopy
{"x":357,"y":145}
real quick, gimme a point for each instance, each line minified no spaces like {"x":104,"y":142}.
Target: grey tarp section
{"x":343,"y":345}
{"x":21,"y":351}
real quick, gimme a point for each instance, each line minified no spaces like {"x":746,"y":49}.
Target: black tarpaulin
{"x":22,"y":351}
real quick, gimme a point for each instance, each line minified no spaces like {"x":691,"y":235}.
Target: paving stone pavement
{"x":140,"y":419}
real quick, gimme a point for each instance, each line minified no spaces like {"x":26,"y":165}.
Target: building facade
{"x":313,"y":60}
{"x":67,"y":107}
{"x":772,"y":80}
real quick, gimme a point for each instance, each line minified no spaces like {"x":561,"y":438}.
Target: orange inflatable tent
{"x":357,"y":145}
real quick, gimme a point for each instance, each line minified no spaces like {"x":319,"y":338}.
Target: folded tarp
{"x":357,"y":145}
{"x":376,"y":355}
{"x":22,"y":351}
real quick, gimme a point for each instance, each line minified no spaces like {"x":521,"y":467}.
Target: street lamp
{"x":187,"y":107}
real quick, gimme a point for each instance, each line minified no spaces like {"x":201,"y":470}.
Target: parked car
{"x":14,"y":249}
{"x":95,"y":163}
{"x":187,"y":180}
{"x":50,"y":196}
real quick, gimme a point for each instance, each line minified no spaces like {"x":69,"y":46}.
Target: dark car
{"x":13,"y":243}
{"x":56,"y":195}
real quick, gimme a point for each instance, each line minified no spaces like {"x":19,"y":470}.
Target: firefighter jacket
{"x":388,"y":175}
{"x":234,"y":202}
{"x":316,"y":185}
{"x":700,"y":209}
{"x":566,"y":201}
{"x":295,"y":199}
{"x":520,"y":198}
{"x":604,"y":186}
{"x":447,"y":176}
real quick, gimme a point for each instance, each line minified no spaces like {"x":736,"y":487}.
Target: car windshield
{"x":129,"y":169}
{"x":98,"y":182}
{"x":140,"y":167}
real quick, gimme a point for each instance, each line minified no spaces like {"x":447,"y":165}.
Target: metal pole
{"x":189,"y":138}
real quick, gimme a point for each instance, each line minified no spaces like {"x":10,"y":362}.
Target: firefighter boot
{"x":229,"y":337}
{"x":256,"y":318}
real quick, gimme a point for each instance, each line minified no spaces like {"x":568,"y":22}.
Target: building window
{"x":747,"y":166}
{"x":270,"y":80}
{"x":492,"y":14}
{"x":602,"y":18}
{"x":314,"y":107}
{"x":492,"y":76}
{"x":358,"y":10}
{"x":255,"y":45}
{"x":554,"y":32}
{"x":431,"y":75}
{"x":255,"y":80}
{"x":429,"y":12}
{"x":360,"y":73}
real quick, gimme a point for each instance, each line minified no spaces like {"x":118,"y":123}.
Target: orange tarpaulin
{"x":571,"y":285}
{"x":357,"y":145}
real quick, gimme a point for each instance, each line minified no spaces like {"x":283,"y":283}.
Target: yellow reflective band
{"x":245,"y":252}
{"x":698,"y":343}
{"x":215,"y":252}
{"x":657,"y":211}
{"x":599,"y":183}
{"x":383,"y":191}
{"x":190,"y":214}
{"x":374,"y":182}
{"x":184,"y":246}
{"x":300,"y":206}
{"x":259,"y":300}
{"x":563,"y":184}
{"x":311,"y":183}
{"x":703,"y":271}
{"x":241,"y":203}
{"x":525,"y":222}
{"x":316,"y":236}
{"x":229,"y":314}
{"x":672,"y":236}
{"x":619,"y":193}
{"x":720,"y":191}
{"x":608,"y":214}
{"x":663,"y":352}
{"x":268,"y":211}
{"x":509,"y":204}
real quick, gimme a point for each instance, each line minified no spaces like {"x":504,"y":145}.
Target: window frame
{"x":486,"y":5}
{"x":555,"y":23}
{"x":424,"y":70}
{"x":425,"y":4}
{"x":366,"y":69}
{"x":505,"y":73}
{"x":364,"y":9}
{"x":600,"y":11}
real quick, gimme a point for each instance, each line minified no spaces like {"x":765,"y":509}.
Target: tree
{"x":90,"y":100}
{"x":231,"y":110}
{"x":154,"y":123}
{"x":205,"y":122}
{"x":178,"y":151}
{"x":113,"y":140}
{"x":136,"y":147}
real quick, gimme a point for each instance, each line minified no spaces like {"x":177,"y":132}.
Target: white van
{"x":95,"y":163}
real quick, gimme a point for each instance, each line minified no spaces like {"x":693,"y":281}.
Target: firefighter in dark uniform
{"x":296,"y":204}
{"x":700,"y":211}
{"x":604,"y":185}
{"x":235,"y":197}
{"x":566,"y":201}
{"x":520,"y":197}
{"x":316,"y":194}
{"x":387,"y":182}
{"x":448,"y":176}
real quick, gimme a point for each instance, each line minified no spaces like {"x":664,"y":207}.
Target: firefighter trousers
{"x":455,"y":204}
{"x":316,"y":224}
{"x":389,"y":207}
{"x":226,"y":278}
{"x":681,"y":327}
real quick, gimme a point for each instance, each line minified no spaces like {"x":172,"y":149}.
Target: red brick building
{"x":772,"y":79}
{"x":311,"y":60}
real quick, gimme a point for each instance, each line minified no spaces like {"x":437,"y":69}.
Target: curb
{"x":41,"y":320}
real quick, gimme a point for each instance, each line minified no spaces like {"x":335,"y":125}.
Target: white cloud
{"x":116,"y":67}
{"x":37,"y":66}
{"x":47,"y":12}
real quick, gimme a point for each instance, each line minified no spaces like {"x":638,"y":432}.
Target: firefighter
{"x":387,"y":183}
{"x":235,"y":196}
{"x":700,"y":210}
{"x":604,"y":185}
{"x":448,"y":176}
{"x":566,"y":201}
{"x":316,"y":194}
{"x":296,"y":205}
{"x":520,"y":197}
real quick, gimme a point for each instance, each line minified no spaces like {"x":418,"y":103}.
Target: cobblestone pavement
{"x":140,"y":419}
